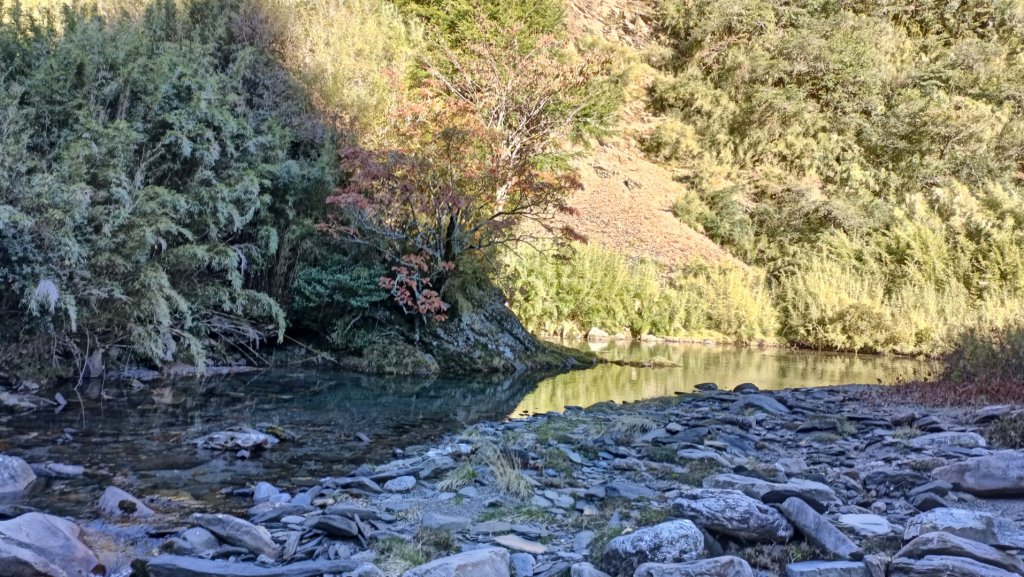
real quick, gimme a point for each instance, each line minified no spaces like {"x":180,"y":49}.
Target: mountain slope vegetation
{"x":866,"y":157}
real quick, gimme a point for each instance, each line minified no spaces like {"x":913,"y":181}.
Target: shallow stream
{"x":139,"y":437}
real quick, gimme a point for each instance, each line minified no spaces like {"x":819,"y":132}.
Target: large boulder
{"x":734,"y":514}
{"x":487,"y":562}
{"x":15,"y":476}
{"x":944,"y":566}
{"x":670,"y":542}
{"x":818,"y":531}
{"x":817,"y":494}
{"x":717,"y":567}
{"x":1000,"y":474}
{"x":239,"y":532}
{"x":947,"y":544}
{"x":38,"y":545}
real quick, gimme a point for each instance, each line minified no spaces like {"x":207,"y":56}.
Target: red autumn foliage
{"x":467,"y":159}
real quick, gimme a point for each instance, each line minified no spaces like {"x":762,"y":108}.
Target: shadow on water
{"x":140,"y":437}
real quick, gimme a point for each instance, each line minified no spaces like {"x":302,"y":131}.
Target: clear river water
{"x":139,"y":437}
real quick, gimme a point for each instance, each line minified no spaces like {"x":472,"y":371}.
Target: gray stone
{"x":58,"y":470}
{"x":367,"y":570}
{"x":487,"y":562}
{"x":177,"y":566}
{"x":239,"y":532}
{"x":586,"y":570}
{"x":446,"y":522}
{"x":827,"y":569}
{"x":865,"y":525}
{"x":263,"y":492}
{"x":670,"y":542}
{"x":942,"y":566}
{"x":1000,"y":474}
{"x":335,"y":526}
{"x":15,"y":476}
{"x":402,"y":484}
{"x":716,"y":567}
{"x":517,"y":543}
{"x":38,"y":545}
{"x":491,"y":527}
{"x":927,"y":502}
{"x":199,"y":540}
{"x":759,"y":402}
{"x":948,"y":439}
{"x":248,"y":439}
{"x":117,"y":503}
{"x":733,"y":513}
{"x":940,"y":543}
{"x":627,"y":490}
{"x":974,"y":525}
{"x":522,"y":564}
{"x":818,"y":531}
{"x":759,"y":488}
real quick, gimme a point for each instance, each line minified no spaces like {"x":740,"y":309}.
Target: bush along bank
{"x":797,"y":483}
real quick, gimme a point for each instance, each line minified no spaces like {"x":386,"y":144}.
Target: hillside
{"x":625,"y":205}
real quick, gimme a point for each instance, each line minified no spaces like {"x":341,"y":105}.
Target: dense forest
{"x":863,"y":161}
{"x":190,"y":181}
{"x":183,"y":182}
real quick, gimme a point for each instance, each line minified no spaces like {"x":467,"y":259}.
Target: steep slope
{"x":626,"y":201}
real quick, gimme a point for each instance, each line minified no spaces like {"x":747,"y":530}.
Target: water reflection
{"x":139,"y":437}
{"x":725,"y":366}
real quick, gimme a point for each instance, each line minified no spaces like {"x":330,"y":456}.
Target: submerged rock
{"x":38,"y":545}
{"x":15,"y":476}
{"x":118,"y":503}
{"x":246,"y":439}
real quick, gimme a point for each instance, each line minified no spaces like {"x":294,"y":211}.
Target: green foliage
{"x":589,"y":287}
{"x":866,"y":156}
{"x":141,"y":164}
{"x":354,"y":56}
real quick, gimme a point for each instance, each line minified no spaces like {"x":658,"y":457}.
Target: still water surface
{"x":139,"y":438}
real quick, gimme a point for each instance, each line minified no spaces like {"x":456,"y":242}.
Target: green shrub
{"x":141,"y":167}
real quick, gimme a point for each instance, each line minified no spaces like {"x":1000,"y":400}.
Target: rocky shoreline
{"x":801,"y":483}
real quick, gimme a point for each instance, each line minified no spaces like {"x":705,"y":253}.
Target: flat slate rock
{"x":177,"y":566}
{"x":940,"y":543}
{"x":944,"y":566}
{"x":517,"y":543}
{"x":818,"y":531}
{"x":827,"y":569}
{"x":1000,"y":474}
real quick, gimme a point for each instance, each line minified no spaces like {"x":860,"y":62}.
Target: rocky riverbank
{"x":801,"y":483}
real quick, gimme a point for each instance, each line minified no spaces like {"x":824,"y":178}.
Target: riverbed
{"x":139,"y":437}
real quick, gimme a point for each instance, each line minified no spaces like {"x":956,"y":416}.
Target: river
{"x":139,"y":437}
